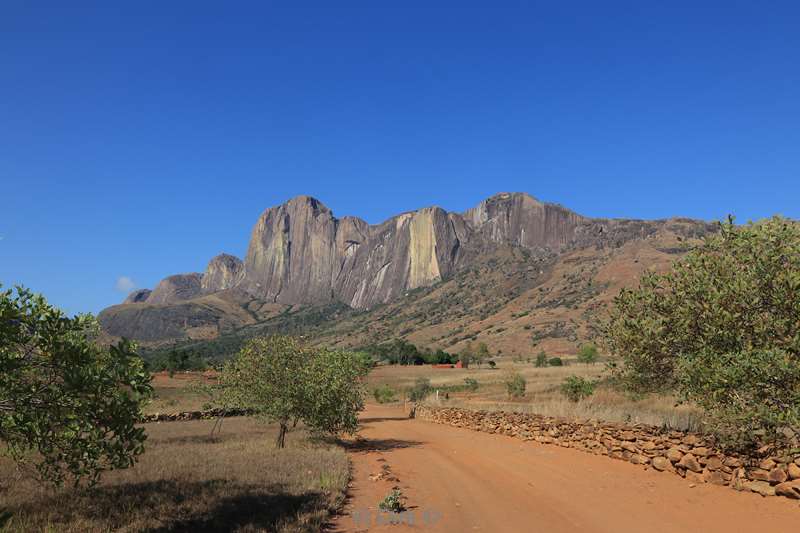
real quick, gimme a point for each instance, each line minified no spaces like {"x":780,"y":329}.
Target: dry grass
{"x":189,"y":481}
{"x":543,"y":394}
{"x":176,"y":394}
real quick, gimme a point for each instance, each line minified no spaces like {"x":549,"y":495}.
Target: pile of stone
{"x":769,"y":472}
{"x":208,"y":414}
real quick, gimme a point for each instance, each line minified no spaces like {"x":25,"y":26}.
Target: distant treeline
{"x":402,"y":352}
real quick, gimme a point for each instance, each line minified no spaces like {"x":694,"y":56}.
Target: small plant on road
{"x":393,"y":502}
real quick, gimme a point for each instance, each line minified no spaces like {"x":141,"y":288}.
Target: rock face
{"x":299,"y":253}
{"x":138,"y":296}
{"x":177,"y":288}
{"x":223,"y":272}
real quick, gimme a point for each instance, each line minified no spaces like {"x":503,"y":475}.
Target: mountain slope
{"x":512,"y":271}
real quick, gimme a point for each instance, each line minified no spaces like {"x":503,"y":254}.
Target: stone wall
{"x":688,"y":455}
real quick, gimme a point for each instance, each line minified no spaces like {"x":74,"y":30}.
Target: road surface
{"x":461,"y":480}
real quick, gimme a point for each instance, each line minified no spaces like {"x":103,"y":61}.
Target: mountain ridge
{"x":301,"y":255}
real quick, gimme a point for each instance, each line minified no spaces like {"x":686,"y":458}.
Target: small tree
{"x":421,"y":390}
{"x":482,"y":353}
{"x":576,"y":388}
{"x":515,"y":384}
{"x":67,"y":405}
{"x":283,"y":380}
{"x":587,"y":354}
{"x":492,"y":364}
{"x":467,"y":354}
{"x":541,"y":359}
{"x":384,"y":394}
{"x":555,"y":361}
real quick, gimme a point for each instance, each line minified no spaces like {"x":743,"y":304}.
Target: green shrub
{"x":541,"y":359}
{"x":749,"y":396}
{"x":393,"y":502}
{"x":555,"y":361}
{"x":492,"y":364}
{"x":587,"y":353}
{"x":68,"y":405}
{"x":470,"y":384}
{"x":515,"y":385}
{"x":421,"y":390}
{"x":722,"y":330}
{"x":384,"y":394}
{"x":576,"y":388}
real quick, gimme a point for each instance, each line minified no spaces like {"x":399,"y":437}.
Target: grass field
{"x":543,"y":394}
{"x":189,"y":481}
{"x":176,"y":393}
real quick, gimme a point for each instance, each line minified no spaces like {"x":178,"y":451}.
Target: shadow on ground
{"x":171,"y":506}
{"x":379,"y":445}
{"x":383,"y":419}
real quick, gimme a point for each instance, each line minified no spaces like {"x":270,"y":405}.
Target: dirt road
{"x":460,"y":480}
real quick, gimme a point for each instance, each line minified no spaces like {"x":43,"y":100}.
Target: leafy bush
{"x":421,"y":390}
{"x":541,"y":359}
{"x":492,"y":364}
{"x":749,"y":396}
{"x":587,"y":353}
{"x":721,"y":328}
{"x":515,"y":385}
{"x":393,"y":502}
{"x":576,"y":388}
{"x":67,"y":405}
{"x":471,"y":384}
{"x":555,"y":361}
{"x":384,"y":394}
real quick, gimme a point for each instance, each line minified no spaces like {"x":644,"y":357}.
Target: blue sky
{"x":140,"y":141}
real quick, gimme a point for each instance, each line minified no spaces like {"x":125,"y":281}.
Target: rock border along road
{"x":461,"y":480}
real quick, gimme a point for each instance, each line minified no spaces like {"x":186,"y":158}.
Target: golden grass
{"x":176,"y":394}
{"x":189,"y":481}
{"x":543,"y":395}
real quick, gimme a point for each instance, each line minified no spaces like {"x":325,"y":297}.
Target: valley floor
{"x":460,"y":480}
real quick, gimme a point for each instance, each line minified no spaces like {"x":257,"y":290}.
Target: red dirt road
{"x":460,"y":480}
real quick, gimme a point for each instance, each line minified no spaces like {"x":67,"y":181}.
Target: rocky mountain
{"x":301,"y":256}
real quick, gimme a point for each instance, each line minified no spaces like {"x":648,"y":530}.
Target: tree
{"x":541,"y":359}
{"x":576,"y":388}
{"x":467,"y":354}
{"x":721,"y":328}
{"x":283,"y":380}
{"x":555,"y":361}
{"x":68,"y":407}
{"x":515,"y":384}
{"x":587,"y":353}
{"x":482,"y":353}
{"x":421,"y":390}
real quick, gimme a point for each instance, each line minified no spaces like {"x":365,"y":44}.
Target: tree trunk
{"x":281,"y":441}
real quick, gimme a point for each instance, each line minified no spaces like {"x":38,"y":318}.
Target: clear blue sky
{"x":140,"y":141}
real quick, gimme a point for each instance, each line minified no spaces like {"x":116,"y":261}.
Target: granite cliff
{"x":301,"y":255}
